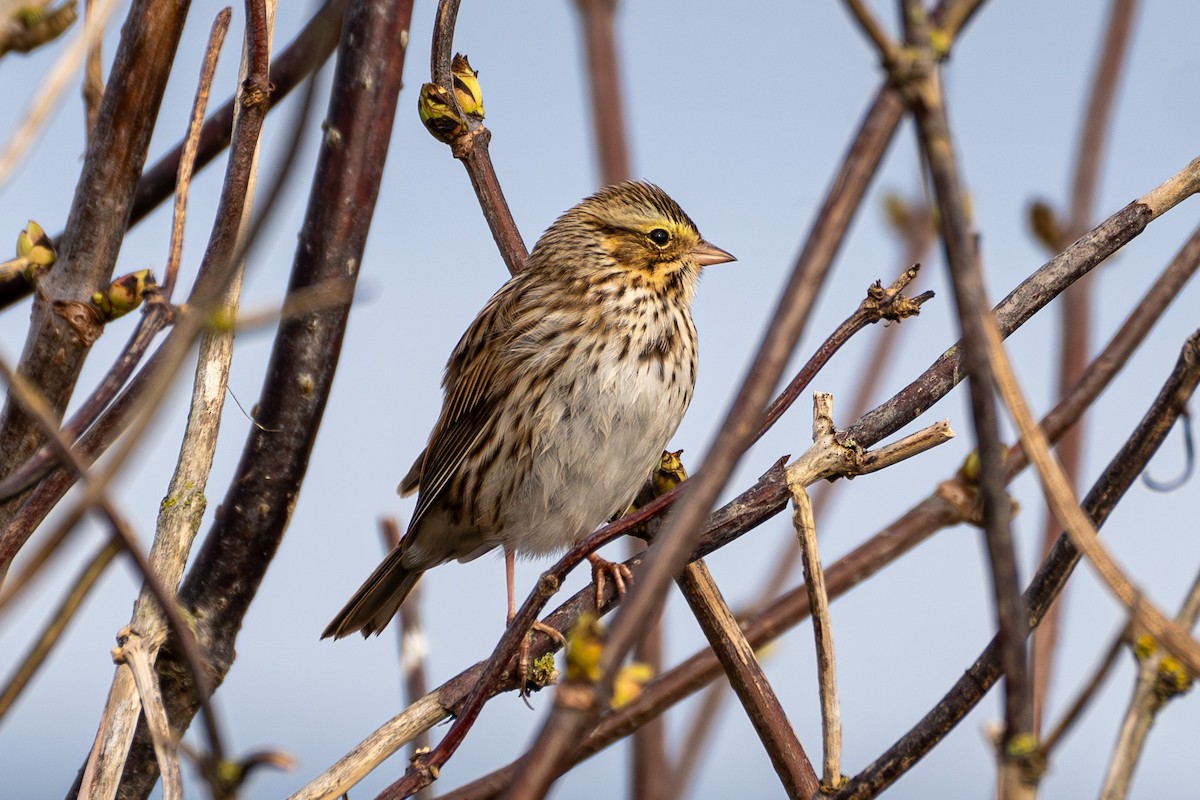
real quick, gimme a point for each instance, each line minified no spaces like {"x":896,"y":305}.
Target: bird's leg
{"x":523,"y":652}
{"x":619,"y":573}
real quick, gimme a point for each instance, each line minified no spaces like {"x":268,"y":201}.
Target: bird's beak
{"x":705,"y":254}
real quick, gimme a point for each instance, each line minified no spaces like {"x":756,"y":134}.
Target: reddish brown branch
{"x":598,"y":19}
{"x":470,"y":145}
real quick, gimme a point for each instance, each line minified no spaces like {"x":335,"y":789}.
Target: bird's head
{"x":634,"y":228}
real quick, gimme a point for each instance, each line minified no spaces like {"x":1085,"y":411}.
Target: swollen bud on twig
{"x":584,"y":651}
{"x":35,"y":252}
{"x":585,"y":646}
{"x":1172,"y":678}
{"x":467,"y":90}
{"x":30,"y":26}
{"x":436,"y":107}
{"x":437,"y":113}
{"x":629,"y":683}
{"x":1044,"y":224}
{"x":669,"y":473}
{"x":125,"y":294}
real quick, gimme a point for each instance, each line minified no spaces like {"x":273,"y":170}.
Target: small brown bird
{"x":559,"y":398}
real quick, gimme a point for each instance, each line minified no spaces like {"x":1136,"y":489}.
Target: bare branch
{"x":818,"y":603}
{"x":748,"y":681}
{"x":1122,"y":470}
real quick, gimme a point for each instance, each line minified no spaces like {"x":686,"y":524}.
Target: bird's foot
{"x":602,"y":571}
{"x":532,"y":674}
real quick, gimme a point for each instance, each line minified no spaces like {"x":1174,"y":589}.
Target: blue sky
{"x":742,"y":115}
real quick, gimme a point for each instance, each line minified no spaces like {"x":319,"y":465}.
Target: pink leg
{"x":602,"y":570}
{"x":524,"y":652}
{"x":510,"y":560}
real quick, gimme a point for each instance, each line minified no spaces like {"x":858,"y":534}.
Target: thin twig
{"x":470,"y":145}
{"x":307,"y":52}
{"x":93,"y":75}
{"x":1086,"y":695}
{"x":132,"y":652}
{"x":53,"y":87}
{"x":885,"y":44}
{"x":818,"y":603}
{"x":413,"y":646}
{"x":41,"y":649}
{"x":1158,"y":681}
{"x":925,"y":96}
{"x":914,"y":225}
{"x":598,"y":20}
{"x":1075,"y":320}
{"x":184,"y":504}
{"x":62,"y":328}
{"x":879,"y":304}
{"x":1028,"y":298}
{"x":95,"y":496}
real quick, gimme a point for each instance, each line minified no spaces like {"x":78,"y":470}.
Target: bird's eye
{"x":659,"y":236}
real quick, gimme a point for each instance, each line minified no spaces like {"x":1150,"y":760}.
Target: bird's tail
{"x":377,"y":600}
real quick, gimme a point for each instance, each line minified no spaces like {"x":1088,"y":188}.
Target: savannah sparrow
{"x":559,"y":398}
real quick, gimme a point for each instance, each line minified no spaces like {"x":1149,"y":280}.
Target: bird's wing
{"x":476,"y":376}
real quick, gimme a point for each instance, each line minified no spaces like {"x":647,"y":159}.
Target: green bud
{"x":436,"y":111}
{"x":124,"y":294}
{"x":467,"y":90}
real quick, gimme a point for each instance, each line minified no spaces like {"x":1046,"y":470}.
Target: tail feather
{"x":377,"y":600}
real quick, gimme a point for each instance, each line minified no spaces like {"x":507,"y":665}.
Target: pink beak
{"x":705,"y":254}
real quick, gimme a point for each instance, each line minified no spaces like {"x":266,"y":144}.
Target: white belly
{"x":598,"y":435}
